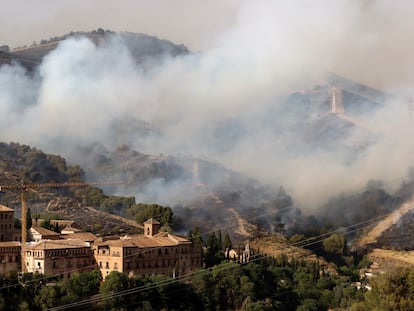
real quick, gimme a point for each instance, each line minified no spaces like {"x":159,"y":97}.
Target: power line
{"x":310,"y":240}
{"x":299,"y":243}
{"x":101,"y":297}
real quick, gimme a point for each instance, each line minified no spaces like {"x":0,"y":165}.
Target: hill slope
{"x":141,"y":47}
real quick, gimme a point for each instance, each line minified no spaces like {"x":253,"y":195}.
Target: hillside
{"x":201,"y":193}
{"x":33,"y":166}
{"x":141,"y":46}
{"x":322,"y":123}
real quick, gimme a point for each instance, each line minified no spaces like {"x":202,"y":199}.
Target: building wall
{"x":167,"y":260}
{"x":7,"y":230}
{"x":9,"y":259}
{"x":63,"y":262}
{"x":108,"y":259}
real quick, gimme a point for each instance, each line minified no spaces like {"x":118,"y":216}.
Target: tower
{"x":151,"y":227}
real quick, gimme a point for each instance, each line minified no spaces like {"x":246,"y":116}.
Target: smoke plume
{"x":231,"y":102}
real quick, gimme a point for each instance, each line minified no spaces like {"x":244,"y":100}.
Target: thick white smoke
{"x":221,"y":103}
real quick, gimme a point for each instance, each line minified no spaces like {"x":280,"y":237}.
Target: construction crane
{"x":23,"y":187}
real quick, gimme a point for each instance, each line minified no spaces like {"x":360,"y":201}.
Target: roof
{"x":152,"y":221}
{"x":4,"y":208}
{"x":43,"y":231}
{"x":10,"y":244}
{"x":57,"y":244}
{"x":84,"y":236}
{"x":162,"y":239}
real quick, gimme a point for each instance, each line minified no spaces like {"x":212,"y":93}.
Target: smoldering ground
{"x":230,"y":103}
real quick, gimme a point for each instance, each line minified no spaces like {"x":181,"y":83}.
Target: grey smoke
{"x":228,"y":103}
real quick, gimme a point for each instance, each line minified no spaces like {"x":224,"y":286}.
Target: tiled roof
{"x":43,"y":231}
{"x":152,"y":221}
{"x":84,"y":236}
{"x":57,"y":244}
{"x":10,"y":244}
{"x":142,"y":241}
{"x":4,"y":208}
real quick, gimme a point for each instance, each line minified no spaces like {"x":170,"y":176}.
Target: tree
{"x":227,"y":242}
{"x":17,"y":223}
{"x":29,"y":220}
{"x":334,"y":244}
{"x":143,"y":212}
{"x":86,"y":283}
{"x":392,"y":290}
{"x":219,"y":241}
{"x":46,"y":298}
{"x":195,"y":238}
{"x":114,"y":282}
{"x":46,"y":224}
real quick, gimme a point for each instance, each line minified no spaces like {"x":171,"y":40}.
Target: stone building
{"x":10,"y":246}
{"x":153,"y":252}
{"x":9,"y":257}
{"x":59,"y":257}
{"x":39,"y":233}
{"x":7,"y":230}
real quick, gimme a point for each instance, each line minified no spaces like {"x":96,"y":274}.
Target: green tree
{"x":46,"y":224}
{"x":17,"y":223}
{"x":114,"y":283}
{"x":143,"y":212}
{"x":227,"y":242}
{"x":29,"y":220}
{"x":46,"y":298}
{"x":334,"y":244}
{"x":392,"y":290}
{"x":86,"y":283}
{"x":219,"y":241}
{"x":196,"y":238}
{"x":212,"y":255}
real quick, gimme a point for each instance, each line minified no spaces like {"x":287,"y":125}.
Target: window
{"x":100,"y":264}
{"x":115,"y":266}
{"x":107,"y":265}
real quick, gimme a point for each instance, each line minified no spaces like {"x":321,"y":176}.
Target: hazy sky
{"x":372,"y":40}
{"x":191,"y":22}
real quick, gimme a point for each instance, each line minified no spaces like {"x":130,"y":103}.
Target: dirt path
{"x":242,"y":224}
{"x":387,"y":222}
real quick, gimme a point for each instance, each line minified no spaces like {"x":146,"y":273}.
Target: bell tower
{"x":151,"y":227}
